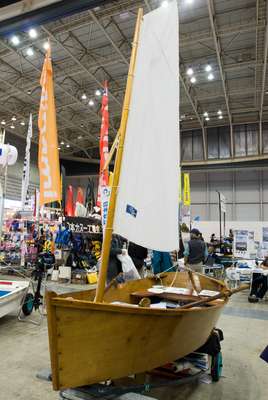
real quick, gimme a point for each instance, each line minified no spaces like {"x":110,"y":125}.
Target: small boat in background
{"x":12,"y":294}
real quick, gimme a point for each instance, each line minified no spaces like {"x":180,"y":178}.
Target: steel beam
{"x":212,"y":18}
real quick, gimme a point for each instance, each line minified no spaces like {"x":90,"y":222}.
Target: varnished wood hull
{"x":91,"y":342}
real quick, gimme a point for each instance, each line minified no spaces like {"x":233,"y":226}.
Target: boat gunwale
{"x":119,"y":308}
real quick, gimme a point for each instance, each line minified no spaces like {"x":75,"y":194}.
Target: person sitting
{"x":212,"y":257}
{"x":213,"y":238}
{"x":195,"y":252}
{"x":259,"y":284}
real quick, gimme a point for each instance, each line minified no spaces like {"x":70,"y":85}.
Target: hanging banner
{"x":26,"y":165}
{"x":104,"y":145}
{"x":223,"y":203}
{"x":186,"y":190}
{"x":48,"y":156}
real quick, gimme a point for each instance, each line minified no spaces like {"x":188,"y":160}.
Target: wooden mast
{"x":122,"y":131}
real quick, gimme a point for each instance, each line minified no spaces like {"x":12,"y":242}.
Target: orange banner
{"x":48,"y":155}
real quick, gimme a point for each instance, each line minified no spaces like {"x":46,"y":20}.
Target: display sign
{"x":240,"y":244}
{"x":186,"y":190}
{"x":82,"y":225}
{"x":105,"y":198}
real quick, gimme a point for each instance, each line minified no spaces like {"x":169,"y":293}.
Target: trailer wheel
{"x":216,"y":367}
{"x":28,"y":305}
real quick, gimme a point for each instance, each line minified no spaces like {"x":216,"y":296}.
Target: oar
{"x":226,"y":293}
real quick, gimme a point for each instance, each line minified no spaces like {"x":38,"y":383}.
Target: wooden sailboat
{"x":113,"y":332}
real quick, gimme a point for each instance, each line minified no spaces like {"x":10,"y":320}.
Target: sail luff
{"x":110,"y":219}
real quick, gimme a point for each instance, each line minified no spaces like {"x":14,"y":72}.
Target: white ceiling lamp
{"x":98,"y":92}
{"x":12,"y":126}
{"x":91,"y":103}
{"x":210,"y":77}
{"x":62,"y":142}
{"x":205,"y":114}
{"x":80,"y":137}
{"x":190,"y":71}
{"x":30,"y":52}
{"x":208,"y":68}
{"x":164,"y":4}
{"x":59,"y":148}
{"x":22,"y":123}
{"x":46,"y":45}
{"x":207,"y":118}
{"x":33,"y":33}
{"x":220,"y":117}
{"x":84,"y":96}
{"x":3,"y":122}
{"x":193,"y":79}
{"x":219,"y":112}
{"x":13,"y":118}
{"x":15,"y":40}
{"x":67,"y":145}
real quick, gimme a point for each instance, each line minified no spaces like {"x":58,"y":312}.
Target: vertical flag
{"x":186,"y":190}
{"x":48,"y":156}
{"x":26,"y":165}
{"x":104,"y":149}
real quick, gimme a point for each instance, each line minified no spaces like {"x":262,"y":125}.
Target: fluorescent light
{"x":15,"y":40}
{"x":3,"y":122}
{"x":98,"y":92}
{"x":46,"y":45}
{"x":62,"y":142}
{"x":205,"y":114}
{"x":12,"y":126}
{"x":33,"y":33}
{"x":30,"y":52}
{"x":220,"y":117}
{"x":193,"y":79}
{"x":22,"y":123}
{"x":91,"y":103}
{"x":59,"y":148}
{"x":219,"y":112}
{"x":13,"y":118}
{"x":208,"y":68}
{"x":190,"y":71}
{"x":67,"y":145}
{"x":164,"y":3}
{"x":207,"y":118}
{"x":84,"y":96}
{"x":210,"y":77}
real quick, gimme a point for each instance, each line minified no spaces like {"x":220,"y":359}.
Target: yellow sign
{"x":48,"y":154}
{"x":186,"y":190}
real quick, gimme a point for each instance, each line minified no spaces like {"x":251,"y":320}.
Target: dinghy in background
{"x":12,"y":294}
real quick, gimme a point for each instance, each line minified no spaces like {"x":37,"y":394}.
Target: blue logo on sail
{"x":131,"y":210}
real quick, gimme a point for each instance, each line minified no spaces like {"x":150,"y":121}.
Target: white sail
{"x":148,"y":195}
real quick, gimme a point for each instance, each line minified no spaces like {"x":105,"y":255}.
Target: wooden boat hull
{"x":92,"y":342}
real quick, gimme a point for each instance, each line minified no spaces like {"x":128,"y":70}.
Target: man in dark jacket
{"x":195,"y":253}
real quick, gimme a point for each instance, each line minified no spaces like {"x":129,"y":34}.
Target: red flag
{"x":104,"y":148}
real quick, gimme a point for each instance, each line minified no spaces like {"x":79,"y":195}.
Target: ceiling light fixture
{"x":207,"y":118}
{"x":15,"y":40}
{"x":33,"y":33}
{"x":91,"y":103}
{"x":84,"y":96}
{"x":210,"y":77}
{"x":62,"y":142}
{"x":205,"y":114}
{"x":164,"y":4}
{"x":80,"y":137}
{"x":190,"y":71}
{"x":98,"y":92}
{"x":208,"y":68}
{"x":219,"y":112}
{"x":193,"y":79}
{"x":220,"y":117}
{"x":30,"y":52}
{"x":46,"y":45}
{"x":3,"y":122}
{"x":59,"y":148}
{"x":67,"y":145}
{"x":13,"y":118}
{"x":12,"y":126}
{"x":22,"y":123}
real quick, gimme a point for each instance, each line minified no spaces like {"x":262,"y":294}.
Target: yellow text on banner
{"x":186,"y":190}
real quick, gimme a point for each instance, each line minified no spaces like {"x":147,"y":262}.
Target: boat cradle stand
{"x":121,"y":392}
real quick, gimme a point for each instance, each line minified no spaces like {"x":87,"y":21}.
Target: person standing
{"x":195,"y":252}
